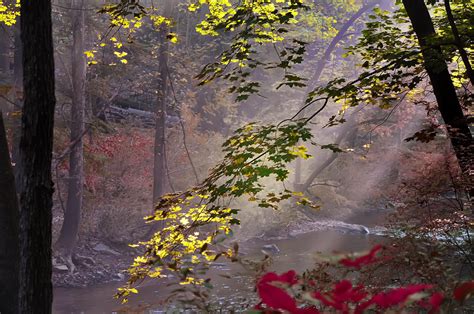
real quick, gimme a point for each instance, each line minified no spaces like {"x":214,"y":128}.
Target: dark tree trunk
{"x":4,"y":53}
{"x":443,"y":88}
{"x":68,"y":236}
{"x":36,"y":144}
{"x":18,"y":85}
{"x":9,"y":221}
{"x":159,"y":169}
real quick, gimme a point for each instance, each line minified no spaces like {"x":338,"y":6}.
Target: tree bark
{"x":9,"y":222}
{"x":18,"y":85}
{"x":159,"y":169}
{"x":36,"y":146}
{"x":4,"y":53}
{"x":443,"y":88}
{"x":72,"y":216}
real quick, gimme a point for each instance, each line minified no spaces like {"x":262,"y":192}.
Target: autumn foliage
{"x":291,"y":293}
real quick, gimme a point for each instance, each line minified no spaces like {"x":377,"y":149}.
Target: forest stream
{"x":296,"y":252}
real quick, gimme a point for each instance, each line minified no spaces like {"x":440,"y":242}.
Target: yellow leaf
{"x":120,"y":54}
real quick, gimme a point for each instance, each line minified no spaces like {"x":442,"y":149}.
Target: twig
{"x":9,"y":101}
{"x":325,"y":184}
{"x":182,"y":126}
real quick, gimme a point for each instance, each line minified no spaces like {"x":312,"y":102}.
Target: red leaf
{"x":278,"y":299}
{"x":463,"y":291}
{"x":342,"y":294}
{"x":275,"y":297}
{"x":435,"y":301}
{"x":289,"y":277}
{"x":367,"y":259}
{"x":306,"y":310}
{"x":393,"y":297}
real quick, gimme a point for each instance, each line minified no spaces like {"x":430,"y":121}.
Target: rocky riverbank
{"x":95,"y":262}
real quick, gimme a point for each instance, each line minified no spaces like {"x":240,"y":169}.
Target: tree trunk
{"x":18,"y":85}
{"x":332,"y":45}
{"x":36,"y":146}
{"x":68,"y":236}
{"x":9,"y":221}
{"x":345,"y":129}
{"x":159,"y":169}
{"x":459,"y":42}
{"x":4,"y":54}
{"x":322,"y":64}
{"x":443,"y":88}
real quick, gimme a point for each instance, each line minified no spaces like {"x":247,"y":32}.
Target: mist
{"x":198,"y":149}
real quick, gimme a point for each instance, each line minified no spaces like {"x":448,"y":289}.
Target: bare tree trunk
{"x":9,"y":222}
{"x":443,"y":88}
{"x":36,"y":146}
{"x":72,"y":216}
{"x":159,"y":170}
{"x":345,"y":129}
{"x":320,"y":67}
{"x":339,"y":36}
{"x":459,"y":42}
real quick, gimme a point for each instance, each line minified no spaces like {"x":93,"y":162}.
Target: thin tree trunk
{"x":36,"y":145}
{"x":332,"y":45}
{"x":68,"y":236}
{"x":159,"y":170}
{"x":322,"y":64}
{"x":459,"y":42}
{"x":345,"y":129}
{"x":9,"y":222}
{"x":443,"y":88}
{"x":188,"y":27}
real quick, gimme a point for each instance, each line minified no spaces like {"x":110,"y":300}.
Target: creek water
{"x":297,"y":252}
